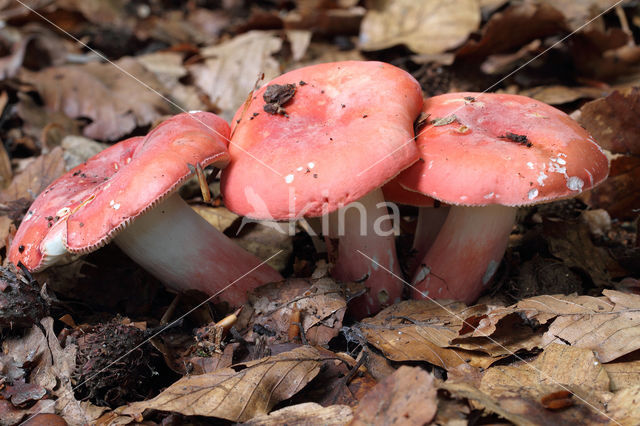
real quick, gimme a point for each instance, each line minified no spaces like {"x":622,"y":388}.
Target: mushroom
{"x":344,"y":130}
{"x":128,"y":193}
{"x":485,"y":155}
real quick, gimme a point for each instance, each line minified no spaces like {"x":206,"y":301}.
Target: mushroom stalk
{"x":466,"y":253}
{"x":430,"y":221}
{"x":181,"y":249}
{"x":367,"y":252}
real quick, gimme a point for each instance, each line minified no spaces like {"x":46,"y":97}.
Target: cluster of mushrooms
{"x":309,"y":144}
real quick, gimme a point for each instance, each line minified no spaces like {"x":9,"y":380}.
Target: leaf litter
{"x":555,"y":340}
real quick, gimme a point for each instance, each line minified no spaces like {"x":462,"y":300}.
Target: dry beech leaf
{"x":619,"y":193}
{"x":624,"y":406}
{"x":240,"y":392}
{"x":231,"y":69}
{"x":115,"y":102}
{"x":610,"y":332}
{"x":623,"y":374}
{"x":38,"y":174}
{"x":425,"y":26}
{"x":407,"y":397}
{"x":168,"y":69}
{"x":557,"y":94}
{"x":512,"y":28}
{"x":614,"y":121}
{"x":308,"y":413}
{"x":571,"y":242}
{"x":515,"y":392}
{"x":51,"y":367}
{"x":422,"y":330}
{"x":558,"y":368}
{"x":579,"y":12}
{"x":320,"y":302}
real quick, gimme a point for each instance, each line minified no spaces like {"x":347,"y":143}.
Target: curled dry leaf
{"x":422,"y":330}
{"x":623,"y":374}
{"x":557,"y":94}
{"x":320,"y":303}
{"x":50,"y":368}
{"x":510,"y":29}
{"x":115,"y":102}
{"x":425,"y":26}
{"x":558,"y":368}
{"x":308,"y":413}
{"x":231,"y":69}
{"x":408,"y":397}
{"x":517,"y":392}
{"x":624,"y":406}
{"x":610,"y":332}
{"x":614,"y":121}
{"x":240,"y":392}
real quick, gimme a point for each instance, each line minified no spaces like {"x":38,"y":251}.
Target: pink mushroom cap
{"x":91,"y":203}
{"x":348,"y":129}
{"x":502,"y":149}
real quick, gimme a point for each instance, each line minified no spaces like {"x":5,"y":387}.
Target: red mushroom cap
{"x":503,"y":149}
{"x":348,"y":129}
{"x":92,"y":202}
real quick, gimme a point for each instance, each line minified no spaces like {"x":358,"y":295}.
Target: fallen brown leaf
{"x":320,"y":302}
{"x":51,"y":368}
{"x":425,"y":26}
{"x":624,"y":406}
{"x":408,"y":397}
{"x":231,"y":69}
{"x":307,"y":413}
{"x":611,"y":331}
{"x":623,"y":374}
{"x":115,"y":102}
{"x":516,"y":392}
{"x":38,"y":174}
{"x":614,"y":121}
{"x":579,"y":12}
{"x":422,"y":330}
{"x":619,"y":193}
{"x":557,"y":94}
{"x":517,"y":25}
{"x":240,"y":392}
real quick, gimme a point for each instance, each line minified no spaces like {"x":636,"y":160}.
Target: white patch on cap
{"x":28,"y":216}
{"x":300,"y":168}
{"x":489,"y":195}
{"x":311,"y":165}
{"x":530,"y":165}
{"x":492,"y":267}
{"x":430,"y":165}
{"x":63,"y":212}
{"x":115,"y":205}
{"x":574,"y":183}
{"x":561,"y":161}
{"x":128,"y":160}
{"x":541,"y":177}
{"x":533,"y":193}
{"x":195,"y":111}
{"x":288,"y":178}
{"x":116,"y":166}
{"x":463,"y":197}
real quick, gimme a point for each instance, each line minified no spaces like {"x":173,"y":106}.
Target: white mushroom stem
{"x":466,"y":253}
{"x":181,"y":249}
{"x":367,"y":252}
